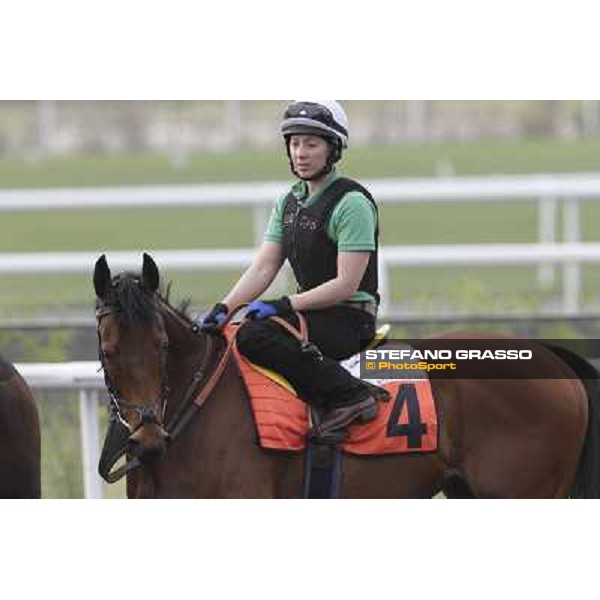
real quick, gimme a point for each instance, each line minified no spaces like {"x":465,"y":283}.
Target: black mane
{"x":184,"y":305}
{"x":133,"y":302}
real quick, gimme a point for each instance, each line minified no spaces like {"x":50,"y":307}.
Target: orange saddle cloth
{"x":406,"y":424}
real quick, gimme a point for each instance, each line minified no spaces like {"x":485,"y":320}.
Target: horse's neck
{"x":220,"y":438}
{"x":187,"y":352}
{"x":190,"y":466}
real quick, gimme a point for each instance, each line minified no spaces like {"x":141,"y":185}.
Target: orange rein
{"x":300,"y":334}
{"x":181,"y":420}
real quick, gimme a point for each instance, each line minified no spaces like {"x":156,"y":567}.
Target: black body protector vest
{"x":310,"y":251}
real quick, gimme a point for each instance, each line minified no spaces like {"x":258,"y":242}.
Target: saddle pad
{"x":407,"y":423}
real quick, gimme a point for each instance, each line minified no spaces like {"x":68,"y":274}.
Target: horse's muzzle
{"x":148,"y":442}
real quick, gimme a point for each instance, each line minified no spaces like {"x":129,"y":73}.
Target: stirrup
{"x":366,"y":414}
{"x":320,"y":436}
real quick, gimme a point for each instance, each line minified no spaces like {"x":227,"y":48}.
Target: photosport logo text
{"x":470,"y":358}
{"x":411,"y":359}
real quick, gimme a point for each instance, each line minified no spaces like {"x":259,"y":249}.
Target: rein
{"x":191,"y":404}
{"x":194,"y":398}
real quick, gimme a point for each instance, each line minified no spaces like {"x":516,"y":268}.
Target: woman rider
{"x":326,"y":226}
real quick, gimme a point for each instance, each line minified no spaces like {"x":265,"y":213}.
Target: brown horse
{"x":497,"y":438}
{"x":19,"y":437}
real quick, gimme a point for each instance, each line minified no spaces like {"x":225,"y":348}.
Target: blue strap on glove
{"x":263,"y":309}
{"x":212,"y":320}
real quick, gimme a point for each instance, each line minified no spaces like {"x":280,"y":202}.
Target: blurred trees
{"x":36,"y":128}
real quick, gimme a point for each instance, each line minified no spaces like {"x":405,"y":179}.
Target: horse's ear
{"x":150,"y":275}
{"x":101,"y":277}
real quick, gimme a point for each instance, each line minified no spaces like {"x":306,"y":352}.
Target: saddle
{"x":349,"y":364}
{"x":284,"y":422}
{"x":330,"y":425}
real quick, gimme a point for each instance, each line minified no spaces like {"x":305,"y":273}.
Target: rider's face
{"x":309,"y":154}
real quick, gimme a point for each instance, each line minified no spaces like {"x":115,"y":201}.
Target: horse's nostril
{"x":147,"y":443}
{"x":136,"y":450}
{"x":146,"y":455}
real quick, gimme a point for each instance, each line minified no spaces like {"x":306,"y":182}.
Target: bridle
{"x":149,"y":412}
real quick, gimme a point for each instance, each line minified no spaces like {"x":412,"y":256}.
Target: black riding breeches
{"x":338,"y":332}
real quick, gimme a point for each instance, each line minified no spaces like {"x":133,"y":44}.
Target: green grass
{"x":426,"y":224}
{"x":62,"y":475}
{"x":47,"y":295}
{"x":126,"y":229}
{"x":483,"y":157}
{"x":61,"y":456}
{"x":421,"y":223}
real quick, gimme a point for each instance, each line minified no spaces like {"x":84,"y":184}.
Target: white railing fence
{"x":568,"y":255}
{"x":546,"y":189}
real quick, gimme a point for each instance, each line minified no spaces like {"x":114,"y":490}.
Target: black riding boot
{"x":319,"y":379}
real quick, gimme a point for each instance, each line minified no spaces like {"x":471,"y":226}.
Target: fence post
{"x":260,"y":220}
{"x":546,"y":235}
{"x":88,"y":419}
{"x":384,"y":287}
{"x":572,"y":270}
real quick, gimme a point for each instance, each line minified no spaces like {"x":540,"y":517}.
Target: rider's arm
{"x":351,"y":267}
{"x":258,"y":277}
{"x":352,"y":229}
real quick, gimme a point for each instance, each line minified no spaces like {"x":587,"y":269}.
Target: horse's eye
{"x":108,"y":354}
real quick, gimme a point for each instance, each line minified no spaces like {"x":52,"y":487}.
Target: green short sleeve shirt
{"x":351,"y":226}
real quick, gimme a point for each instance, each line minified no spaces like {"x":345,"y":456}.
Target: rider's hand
{"x":211,"y":321}
{"x":263,"y":309}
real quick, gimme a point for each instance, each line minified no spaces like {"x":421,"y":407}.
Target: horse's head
{"x":133,"y":347}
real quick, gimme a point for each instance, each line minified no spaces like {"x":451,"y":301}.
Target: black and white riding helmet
{"x":318,"y":117}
